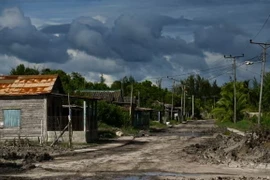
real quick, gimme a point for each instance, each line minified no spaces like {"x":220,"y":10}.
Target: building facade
{"x":34,"y":107}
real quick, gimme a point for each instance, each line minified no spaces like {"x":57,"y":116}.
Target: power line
{"x":249,"y":71}
{"x":248,"y":44}
{"x":250,"y":59}
{"x":202,"y":70}
{"x":211,"y":78}
{"x":262,"y":27}
{"x":188,"y":73}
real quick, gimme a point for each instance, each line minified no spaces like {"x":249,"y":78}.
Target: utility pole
{"x":184,"y":108}
{"x":172,"y":99}
{"x":182,"y":97}
{"x":234,"y":84}
{"x":131,"y":102}
{"x":69,"y":123}
{"x":139,"y":99}
{"x":192,"y":99}
{"x":265,"y":46}
{"x":122,"y":88}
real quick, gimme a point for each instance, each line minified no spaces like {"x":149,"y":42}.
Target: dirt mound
{"x":232,"y":149}
{"x":16,"y":158}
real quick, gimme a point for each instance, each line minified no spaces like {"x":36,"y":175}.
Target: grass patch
{"x":243,"y":125}
{"x":174,"y":122}
{"x":107,"y":131}
{"x":106,"y":134}
{"x":157,"y":125}
{"x":130,"y":131}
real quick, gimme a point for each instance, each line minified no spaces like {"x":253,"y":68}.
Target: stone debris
{"x":234,"y":150}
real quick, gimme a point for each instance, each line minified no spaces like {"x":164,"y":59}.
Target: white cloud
{"x":81,"y":61}
{"x":13,"y":17}
{"x":213,"y":58}
{"x":8,"y":62}
{"x":100,"y":18}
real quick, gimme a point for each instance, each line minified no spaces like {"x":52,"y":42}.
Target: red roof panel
{"x":26,"y":84}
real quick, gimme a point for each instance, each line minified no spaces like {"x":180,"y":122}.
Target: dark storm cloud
{"x":221,"y":2}
{"x":20,"y":38}
{"x":223,"y":38}
{"x":88,"y":34}
{"x":139,"y":38}
{"x":132,"y":38}
{"x":56,"y":29}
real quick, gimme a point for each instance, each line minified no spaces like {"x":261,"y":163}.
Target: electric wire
{"x":262,"y":27}
{"x":188,"y":73}
{"x":237,"y":66}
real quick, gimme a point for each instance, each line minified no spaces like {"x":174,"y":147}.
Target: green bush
{"x":265,"y":120}
{"x":112,"y":115}
{"x":156,"y":124}
{"x":243,"y":125}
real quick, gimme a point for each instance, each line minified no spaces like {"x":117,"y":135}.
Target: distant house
{"x":36,"y":107}
{"x":140,"y":117}
{"x":110,"y":96}
{"x":113,"y":97}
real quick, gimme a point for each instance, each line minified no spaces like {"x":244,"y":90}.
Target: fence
{"x":58,"y":123}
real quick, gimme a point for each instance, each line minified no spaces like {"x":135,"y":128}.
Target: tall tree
{"x":225,"y":106}
{"x":22,"y":70}
{"x":116,"y":85}
{"x":102,"y":79}
{"x":77,"y":82}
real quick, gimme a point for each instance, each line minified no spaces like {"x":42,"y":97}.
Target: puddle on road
{"x":183,"y":134}
{"x":148,"y":175}
{"x":193,"y":134}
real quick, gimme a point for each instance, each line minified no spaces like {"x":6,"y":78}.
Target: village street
{"x":159,"y":155}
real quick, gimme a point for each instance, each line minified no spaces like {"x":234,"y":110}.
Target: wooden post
{"x":60,"y":135}
{"x":84,"y":116}
{"x":139,"y":101}
{"x":69,"y":124}
{"x":131,"y":101}
{"x":192,"y":107}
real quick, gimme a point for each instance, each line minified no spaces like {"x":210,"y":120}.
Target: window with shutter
{"x":12,"y":118}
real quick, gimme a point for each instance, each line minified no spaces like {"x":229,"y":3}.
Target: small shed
{"x":172,"y":110}
{"x":114,"y":97}
{"x":142,"y":118}
{"x":34,"y":107}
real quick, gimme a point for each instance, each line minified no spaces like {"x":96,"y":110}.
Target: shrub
{"x":112,"y":115}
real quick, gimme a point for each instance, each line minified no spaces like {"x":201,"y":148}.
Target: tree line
{"x":209,"y":96}
{"x":148,"y":92}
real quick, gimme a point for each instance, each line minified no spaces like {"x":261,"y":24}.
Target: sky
{"x":146,"y":39}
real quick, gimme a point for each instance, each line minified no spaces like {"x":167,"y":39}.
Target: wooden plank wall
{"x":32,"y":116}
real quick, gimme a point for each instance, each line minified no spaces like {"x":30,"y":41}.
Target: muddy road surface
{"x":185,"y":151}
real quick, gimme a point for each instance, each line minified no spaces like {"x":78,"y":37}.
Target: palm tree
{"x":225,"y":106}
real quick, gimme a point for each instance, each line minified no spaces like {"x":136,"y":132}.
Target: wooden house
{"x":140,"y":117}
{"x":110,"y":96}
{"x":35,"y":107}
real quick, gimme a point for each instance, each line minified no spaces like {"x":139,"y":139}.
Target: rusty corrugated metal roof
{"x":15,"y":85}
{"x":107,"y":95}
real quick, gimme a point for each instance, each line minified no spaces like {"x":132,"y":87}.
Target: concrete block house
{"x":35,"y":107}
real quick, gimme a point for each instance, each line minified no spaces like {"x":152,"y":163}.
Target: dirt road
{"x":161,"y":155}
